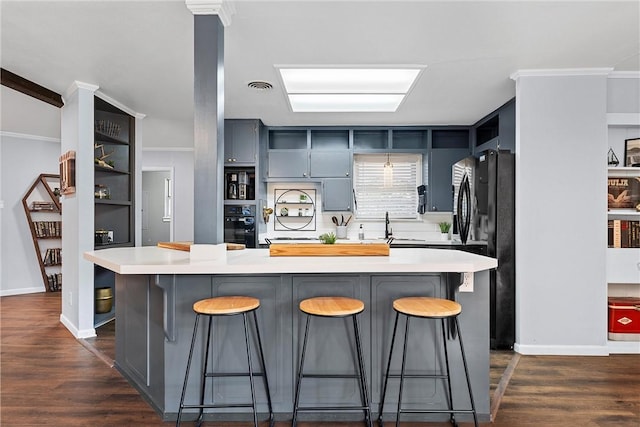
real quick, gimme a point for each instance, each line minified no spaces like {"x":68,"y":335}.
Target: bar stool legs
{"x":360,"y":375}
{"x":206,"y":374}
{"x":427,"y":311}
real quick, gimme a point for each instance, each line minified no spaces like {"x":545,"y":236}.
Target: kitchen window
{"x":376,"y":193}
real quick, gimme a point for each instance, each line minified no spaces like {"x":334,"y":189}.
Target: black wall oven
{"x":240,"y":225}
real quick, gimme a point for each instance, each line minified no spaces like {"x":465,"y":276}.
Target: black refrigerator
{"x":484,"y":205}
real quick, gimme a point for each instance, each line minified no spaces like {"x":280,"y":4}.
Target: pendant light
{"x":388,"y":173}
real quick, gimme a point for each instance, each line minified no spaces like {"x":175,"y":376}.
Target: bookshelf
{"x":623,"y":251}
{"x":42,"y":208}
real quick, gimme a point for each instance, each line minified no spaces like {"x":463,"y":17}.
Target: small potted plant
{"x":444,"y":230}
{"x":328,"y":238}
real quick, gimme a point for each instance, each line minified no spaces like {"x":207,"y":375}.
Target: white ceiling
{"x":141,"y":52}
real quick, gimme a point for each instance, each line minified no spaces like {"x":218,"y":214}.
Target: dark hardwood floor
{"x":50,"y":378}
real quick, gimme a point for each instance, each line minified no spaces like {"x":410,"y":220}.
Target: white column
{"x":78,"y":212}
{"x":561,"y":236}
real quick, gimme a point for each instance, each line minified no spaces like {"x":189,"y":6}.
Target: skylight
{"x":347,"y":89}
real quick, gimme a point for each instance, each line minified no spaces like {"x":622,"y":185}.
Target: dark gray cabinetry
{"x":496,"y":131}
{"x":330,"y":348}
{"x":337,"y":194}
{"x":114,"y":171}
{"x":289,"y":164}
{"x":155,"y":324}
{"x":447,"y":147}
{"x":329,"y":164}
{"x":425,"y":338}
{"x":240,"y":141}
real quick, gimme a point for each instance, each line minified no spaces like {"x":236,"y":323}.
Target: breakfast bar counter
{"x":156,"y":288}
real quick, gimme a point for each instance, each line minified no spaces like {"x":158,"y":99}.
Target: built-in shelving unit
{"x":42,"y":208}
{"x":114,"y":137}
{"x":623,"y":257}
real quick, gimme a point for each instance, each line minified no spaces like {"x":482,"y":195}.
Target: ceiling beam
{"x":30,"y":88}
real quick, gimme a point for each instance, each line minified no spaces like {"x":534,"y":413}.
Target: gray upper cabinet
{"x":330,"y":164}
{"x":240,"y":141}
{"x":336,"y":194}
{"x":447,"y":147}
{"x":288,"y":164}
{"x":496,"y":131}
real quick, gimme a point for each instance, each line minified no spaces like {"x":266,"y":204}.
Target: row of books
{"x":48,"y":228}
{"x":622,"y":233}
{"x":43,"y":206}
{"x":53,"y":256}
{"x":623,"y":192}
{"x":55,"y":281}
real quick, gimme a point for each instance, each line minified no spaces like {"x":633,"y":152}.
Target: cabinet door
{"x":288,"y":164}
{"x":440,"y":191}
{"x":240,"y":141}
{"x":330,"y":344}
{"x":336,"y":194}
{"x":330,"y":164}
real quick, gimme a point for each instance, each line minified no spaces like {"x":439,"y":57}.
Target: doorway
{"x":157,"y":205}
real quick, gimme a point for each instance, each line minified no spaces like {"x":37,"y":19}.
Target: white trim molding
{"x":78,"y":85}
{"x":623,"y":119}
{"x":86,"y":333}
{"x":625,"y":75}
{"x":562,"y":350}
{"x":562,"y":72}
{"x":119,"y":105}
{"x":223,"y":8}
{"x":22,"y":291}
{"x":5,"y":134}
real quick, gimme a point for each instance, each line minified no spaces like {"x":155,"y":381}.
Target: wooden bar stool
{"x":333,"y":307}
{"x":427,"y":308}
{"x":226,"y":306}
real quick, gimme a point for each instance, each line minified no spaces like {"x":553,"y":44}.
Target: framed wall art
{"x":632,"y":152}
{"x":68,"y":172}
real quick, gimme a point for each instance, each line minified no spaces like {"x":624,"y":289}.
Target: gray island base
{"x":156,"y":289}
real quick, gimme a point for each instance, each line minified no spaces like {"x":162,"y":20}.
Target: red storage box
{"x":624,"y":318}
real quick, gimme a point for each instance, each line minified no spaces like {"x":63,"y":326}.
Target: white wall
{"x":29,"y":146}
{"x":561,"y":148}
{"x":181,"y":160}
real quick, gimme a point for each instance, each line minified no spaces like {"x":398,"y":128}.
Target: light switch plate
{"x":467,"y":283}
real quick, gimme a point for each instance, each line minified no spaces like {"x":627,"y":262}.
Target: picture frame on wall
{"x":632,"y":152}
{"x":68,"y":172}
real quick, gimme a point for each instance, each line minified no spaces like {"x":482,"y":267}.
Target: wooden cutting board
{"x":321,"y":249}
{"x":185,"y":246}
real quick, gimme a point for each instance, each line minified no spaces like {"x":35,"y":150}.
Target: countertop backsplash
{"x":424,"y":228}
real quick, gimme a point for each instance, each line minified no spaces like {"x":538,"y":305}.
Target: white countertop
{"x":154,"y":260}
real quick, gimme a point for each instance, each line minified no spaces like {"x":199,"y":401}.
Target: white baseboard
{"x":562,"y":350}
{"x":85,"y":333}
{"x":21,"y":291}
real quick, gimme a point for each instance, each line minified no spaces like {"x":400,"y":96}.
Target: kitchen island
{"x":156,"y":288}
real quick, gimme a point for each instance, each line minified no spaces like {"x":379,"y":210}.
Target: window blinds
{"x":399,"y":197}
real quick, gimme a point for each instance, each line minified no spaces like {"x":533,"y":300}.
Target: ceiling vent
{"x":260,"y":85}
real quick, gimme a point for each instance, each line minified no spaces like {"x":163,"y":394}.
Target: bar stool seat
{"x":435,"y":308}
{"x":226,"y":306}
{"x":333,"y":307}
{"x":427,"y":308}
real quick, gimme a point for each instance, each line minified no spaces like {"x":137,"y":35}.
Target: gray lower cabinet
{"x":156,"y":319}
{"x":337,"y":194}
{"x":331,"y":345}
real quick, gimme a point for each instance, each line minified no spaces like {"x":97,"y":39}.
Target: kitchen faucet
{"x":388,"y":232}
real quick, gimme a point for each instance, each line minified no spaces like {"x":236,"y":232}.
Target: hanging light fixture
{"x":388,"y":172}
